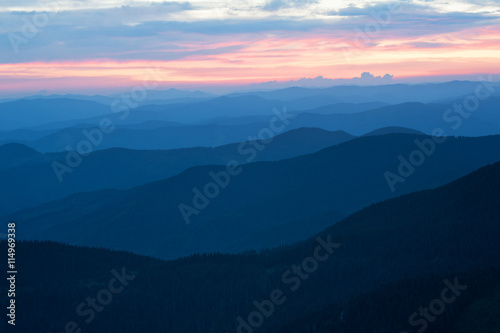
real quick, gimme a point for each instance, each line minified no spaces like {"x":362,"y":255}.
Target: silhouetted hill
{"x":390,"y":260}
{"x":14,"y":154}
{"x":122,"y":168}
{"x":266,"y":195}
{"x":392,"y":130}
{"x":297,"y":142}
{"x":15,"y":151}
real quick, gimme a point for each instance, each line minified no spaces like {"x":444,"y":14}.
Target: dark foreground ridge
{"x":390,"y":261}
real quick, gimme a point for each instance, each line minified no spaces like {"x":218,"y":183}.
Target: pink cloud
{"x":474,"y":50}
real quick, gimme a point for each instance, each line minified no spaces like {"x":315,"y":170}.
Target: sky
{"x":98,"y":46}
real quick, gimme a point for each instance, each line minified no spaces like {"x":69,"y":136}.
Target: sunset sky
{"x":91,"y":46}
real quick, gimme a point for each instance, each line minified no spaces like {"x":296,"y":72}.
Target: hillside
{"x":391,"y":259}
{"x":123,"y":168}
{"x":259,"y":198}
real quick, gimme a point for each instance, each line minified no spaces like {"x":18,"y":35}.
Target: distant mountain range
{"x":152,"y":127}
{"x":189,"y":106}
{"x":122,"y":168}
{"x":266,"y":196}
{"x":151,"y":96}
{"x":391,"y":93}
{"x":30,"y":113}
{"x":346,"y":209}
{"x":422,"y":117}
{"x":178,"y":112}
{"x":149,"y":127}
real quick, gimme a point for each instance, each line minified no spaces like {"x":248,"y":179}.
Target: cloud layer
{"x":249,"y":41}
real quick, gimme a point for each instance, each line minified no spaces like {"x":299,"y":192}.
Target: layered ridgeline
{"x":32,"y":113}
{"x":195,"y":106}
{"x":232,"y":208}
{"x":424,"y":261}
{"x":34,"y":178}
{"x":210,"y":123}
{"x":158,"y":127}
{"x":68,"y":111}
{"x":422,"y":117}
{"x":392,"y":93}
